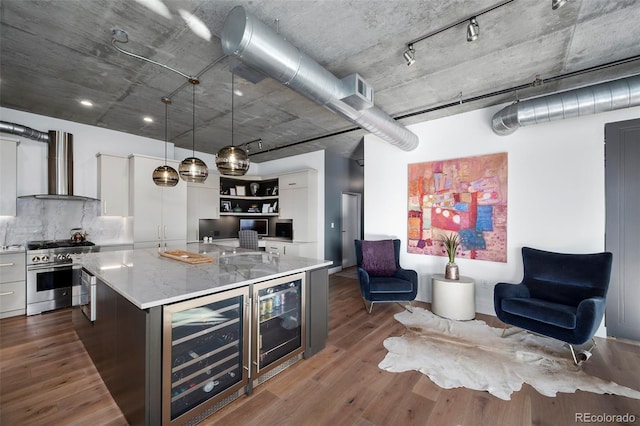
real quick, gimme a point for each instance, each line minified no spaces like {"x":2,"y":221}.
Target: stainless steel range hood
{"x":60,"y":161}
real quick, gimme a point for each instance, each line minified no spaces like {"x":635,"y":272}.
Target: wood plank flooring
{"x":47,"y":378}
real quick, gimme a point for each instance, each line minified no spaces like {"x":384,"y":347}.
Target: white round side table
{"x":453,"y":299}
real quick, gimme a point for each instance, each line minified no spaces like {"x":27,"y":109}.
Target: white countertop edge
{"x":207,"y":292}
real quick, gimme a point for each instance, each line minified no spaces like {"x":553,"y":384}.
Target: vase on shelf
{"x":254,"y":186}
{"x":237,"y":209}
{"x":451,"y":271}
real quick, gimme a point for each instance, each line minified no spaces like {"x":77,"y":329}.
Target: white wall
{"x":556,"y":198}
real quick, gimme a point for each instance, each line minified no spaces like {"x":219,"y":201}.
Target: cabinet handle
{"x":6,"y":293}
{"x":159,"y":232}
{"x":292,"y":183}
{"x":165,"y":232}
{"x":104,"y":207}
{"x":6,"y":264}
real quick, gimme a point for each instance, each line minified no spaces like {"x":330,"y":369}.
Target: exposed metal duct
{"x":603,"y":97}
{"x":27,"y":132}
{"x":60,"y":160}
{"x":258,"y":46}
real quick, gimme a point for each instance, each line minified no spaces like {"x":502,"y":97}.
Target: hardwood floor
{"x":47,"y":378}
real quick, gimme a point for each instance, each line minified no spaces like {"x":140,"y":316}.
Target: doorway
{"x":351,"y":226}
{"x":622,"y":230}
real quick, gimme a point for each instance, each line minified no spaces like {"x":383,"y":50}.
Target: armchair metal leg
{"x":584,"y":354}
{"x":508,"y":327}
{"x":367,"y":308}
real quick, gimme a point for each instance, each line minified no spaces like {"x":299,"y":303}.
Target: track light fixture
{"x":473,"y":29}
{"x":557,"y":4}
{"x":409,"y":55}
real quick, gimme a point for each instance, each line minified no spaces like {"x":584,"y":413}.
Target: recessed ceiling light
{"x":148,"y":119}
{"x":86,"y":103}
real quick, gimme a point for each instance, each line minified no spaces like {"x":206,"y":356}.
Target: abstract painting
{"x":463,"y":196}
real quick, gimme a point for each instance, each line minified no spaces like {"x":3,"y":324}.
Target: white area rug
{"x":471,"y":354}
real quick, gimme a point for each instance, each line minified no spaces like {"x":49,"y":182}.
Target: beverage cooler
{"x":278,"y":325}
{"x":205,"y":354}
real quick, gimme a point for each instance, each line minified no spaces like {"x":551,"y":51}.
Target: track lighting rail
{"x":462,"y":21}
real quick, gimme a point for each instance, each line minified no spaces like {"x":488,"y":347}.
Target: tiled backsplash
{"x":41,"y":219}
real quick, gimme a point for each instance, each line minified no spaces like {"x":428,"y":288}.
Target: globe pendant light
{"x":231,"y":160}
{"x":165,"y":175}
{"x":193,"y":169}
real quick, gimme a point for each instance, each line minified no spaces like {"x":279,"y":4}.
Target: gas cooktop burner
{"x":52,"y":244}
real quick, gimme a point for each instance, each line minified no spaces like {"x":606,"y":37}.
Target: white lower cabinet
{"x":13,"y":290}
{"x":292,"y":248}
{"x":159,"y":213}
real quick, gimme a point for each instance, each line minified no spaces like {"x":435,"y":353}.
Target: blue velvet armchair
{"x":562,"y":296}
{"x":381,"y":277}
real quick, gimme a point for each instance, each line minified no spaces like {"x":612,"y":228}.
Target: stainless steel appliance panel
{"x":87,"y":294}
{"x":278,"y":323}
{"x":205,"y":356}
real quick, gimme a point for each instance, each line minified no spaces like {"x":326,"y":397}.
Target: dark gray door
{"x":622,"y":186}
{"x":351,"y":227}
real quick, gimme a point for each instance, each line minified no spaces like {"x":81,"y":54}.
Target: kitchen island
{"x":174,"y":342}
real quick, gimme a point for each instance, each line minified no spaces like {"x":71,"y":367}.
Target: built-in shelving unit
{"x":248,"y":196}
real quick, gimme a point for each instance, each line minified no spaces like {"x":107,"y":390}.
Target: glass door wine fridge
{"x":205,"y":354}
{"x":278,"y":325}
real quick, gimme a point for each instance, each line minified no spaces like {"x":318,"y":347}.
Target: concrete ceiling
{"x":54,"y":53}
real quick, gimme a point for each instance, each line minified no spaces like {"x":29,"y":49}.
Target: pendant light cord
{"x":166,"y":101}
{"x":232,"y":96}
{"x":193,"y":143}
{"x":166,"y":126}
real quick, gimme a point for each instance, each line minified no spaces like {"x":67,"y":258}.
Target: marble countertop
{"x":12,"y":249}
{"x":147,"y":279}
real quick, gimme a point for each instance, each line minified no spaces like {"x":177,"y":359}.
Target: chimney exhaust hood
{"x":60,"y":161}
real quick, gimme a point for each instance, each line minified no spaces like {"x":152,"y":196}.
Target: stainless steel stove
{"x":53,"y":276}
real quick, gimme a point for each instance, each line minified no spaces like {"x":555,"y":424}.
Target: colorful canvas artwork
{"x":465,"y":196}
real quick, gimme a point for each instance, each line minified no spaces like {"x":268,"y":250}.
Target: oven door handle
{"x":49,"y":268}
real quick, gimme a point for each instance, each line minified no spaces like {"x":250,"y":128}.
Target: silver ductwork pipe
{"x":603,"y":97}
{"x":261,"y":48}
{"x":27,"y":132}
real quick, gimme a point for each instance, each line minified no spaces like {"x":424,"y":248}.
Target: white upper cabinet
{"x":203,"y":202}
{"x":8,"y":175}
{"x":159,"y":213}
{"x":299,"y":202}
{"x":113,"y":185}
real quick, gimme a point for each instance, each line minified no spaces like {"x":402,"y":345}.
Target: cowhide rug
{"x":473,"y":355}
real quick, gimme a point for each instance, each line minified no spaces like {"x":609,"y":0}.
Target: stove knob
{"x":60,"y":256}
{"x":35,"y":259}
{"x":45,"y":258}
